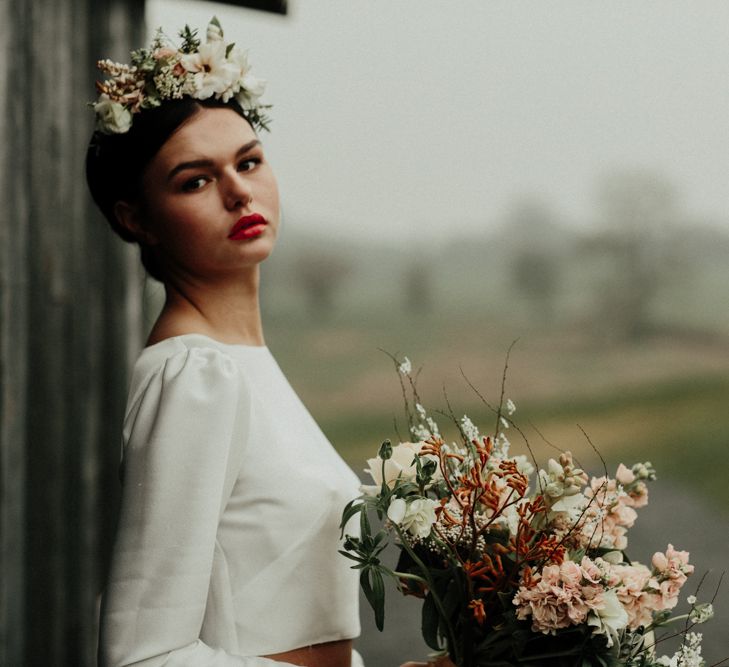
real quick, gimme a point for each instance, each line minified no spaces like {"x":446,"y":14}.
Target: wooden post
{"x":13,"y":332}
{"x":70,"y":323}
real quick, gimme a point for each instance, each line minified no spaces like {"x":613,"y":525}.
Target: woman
{"x":226,"y":552}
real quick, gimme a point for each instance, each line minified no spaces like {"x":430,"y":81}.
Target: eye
{"x":248,"y":163}
{"x":194,"y":184}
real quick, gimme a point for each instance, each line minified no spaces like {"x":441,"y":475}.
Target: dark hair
{"x":115,"y":163}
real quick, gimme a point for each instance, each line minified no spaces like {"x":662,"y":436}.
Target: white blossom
{"x":701,"y":613}
{"x":212,"y":73}
{"x":112,"y":117}
{"x":501,"y":446}
{"x":214,"y":32}
{"x":417,"y":517}
{"x":469,"y":428}
{"x":689,"y":655}
{"x":400,"y":466}
{"x":608,"y":618}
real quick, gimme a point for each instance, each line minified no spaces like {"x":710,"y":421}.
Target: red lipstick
{"x":248,"y":227}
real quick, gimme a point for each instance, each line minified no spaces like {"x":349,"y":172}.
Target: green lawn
{"x":682,"y":427}
{"x":662,"y":399}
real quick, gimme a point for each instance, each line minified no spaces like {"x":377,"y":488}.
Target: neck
{"x":227,"y":310}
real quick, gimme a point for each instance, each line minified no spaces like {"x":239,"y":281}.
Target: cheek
{"x":270,"y":192}
{"x":177,"y":229}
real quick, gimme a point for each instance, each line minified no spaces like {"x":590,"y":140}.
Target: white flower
{"x":665,"y":661}
{"x":613,"y":557}
{"x":112,"y":117}
{"x":433,"y":427}
{"x":251,"y":89}
{"x":469,"y":429}
{"x":701,"y":612}
{"x":574,"y":505}
{"x":212,"y":73}
{"x":429,"y":427}
{"x":510,"y":407}
{"x":609,"y":618}
{"x":553,"y":479}
{"x":400,"y":466}
{"x":501,"y":446}
{"x":688,"y":655}
{"x":420,"y":432}
{"x":405,"y":368}
{"x":509,"y":518}
{"x":523,"y":465}
{"x":417,"y":517}
{"x":214,"y":32}
{"x":561,"y":483}
{"x":691,"y":599}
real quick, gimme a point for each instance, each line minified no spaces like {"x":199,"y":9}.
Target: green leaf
{"x":452,"y":597}
{"x":214,"y":21}
{"x":229,"y":48}
{"x":350,"y":510}
{"x":364,"y":525}
{"x":377,"y":602}
{"x":378,"y":591}
{"x":430,"y":622}
{"x":346,"y":554}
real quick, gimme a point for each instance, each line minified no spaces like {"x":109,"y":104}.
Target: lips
{"x":248,"y":226}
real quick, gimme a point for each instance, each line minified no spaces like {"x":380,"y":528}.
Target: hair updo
{"x":115,"y":163}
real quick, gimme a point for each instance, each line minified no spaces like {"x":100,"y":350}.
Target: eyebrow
{"x":196,"y":164}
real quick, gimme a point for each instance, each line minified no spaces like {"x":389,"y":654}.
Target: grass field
{"x":663,"y":398}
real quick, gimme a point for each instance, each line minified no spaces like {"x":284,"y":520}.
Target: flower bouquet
{"x":513,"y":567}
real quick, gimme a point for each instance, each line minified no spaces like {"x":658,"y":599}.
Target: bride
{"x":227,"y":547}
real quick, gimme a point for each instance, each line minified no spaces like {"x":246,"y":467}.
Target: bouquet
{"x":516,"y":566}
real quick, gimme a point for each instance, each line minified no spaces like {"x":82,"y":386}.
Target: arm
{"x":180,"y":463}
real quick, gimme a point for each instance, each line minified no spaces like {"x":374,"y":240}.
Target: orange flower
{"x":479,"y":613}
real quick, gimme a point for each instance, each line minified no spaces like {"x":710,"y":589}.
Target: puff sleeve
{"x":184,"y":438}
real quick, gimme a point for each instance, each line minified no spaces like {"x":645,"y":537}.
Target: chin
{"x":259,"y":250}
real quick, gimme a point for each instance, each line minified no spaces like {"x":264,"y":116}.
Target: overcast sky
{"x":404,"y":118}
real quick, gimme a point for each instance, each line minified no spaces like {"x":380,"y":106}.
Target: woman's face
{"x":210,"y":202}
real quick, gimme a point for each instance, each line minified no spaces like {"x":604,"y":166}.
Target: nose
{"x":237,"y":191}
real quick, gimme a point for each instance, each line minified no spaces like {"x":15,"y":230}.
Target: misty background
{"x":459,"y":176}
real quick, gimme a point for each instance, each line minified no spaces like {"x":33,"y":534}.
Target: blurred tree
{"x":538,"y":245}
{"x":635,"y":240}
{"x":320,"y":275}
{"x":536,"y":277}
{"x":418,"y":287}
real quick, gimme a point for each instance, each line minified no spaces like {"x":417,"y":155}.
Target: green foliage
{"x":190,"y":41}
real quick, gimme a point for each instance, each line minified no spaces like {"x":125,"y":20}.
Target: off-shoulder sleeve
{"x":183,"y":439}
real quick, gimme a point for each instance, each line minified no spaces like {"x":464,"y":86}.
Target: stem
{"x":428,"y":580}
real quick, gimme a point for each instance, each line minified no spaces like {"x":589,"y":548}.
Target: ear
{"x":129,"y":217}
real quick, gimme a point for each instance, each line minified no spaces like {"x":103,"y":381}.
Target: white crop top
{"x":228,"y":532}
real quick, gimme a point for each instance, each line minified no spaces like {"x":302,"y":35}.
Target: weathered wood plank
{"x":13,"y":329}
{"x":70,"y":323}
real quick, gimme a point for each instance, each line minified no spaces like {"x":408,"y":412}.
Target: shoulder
{"x":191,"y":354}
{"x":191,"y":369}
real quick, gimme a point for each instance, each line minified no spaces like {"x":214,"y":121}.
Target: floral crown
{"x":163,"y":72}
